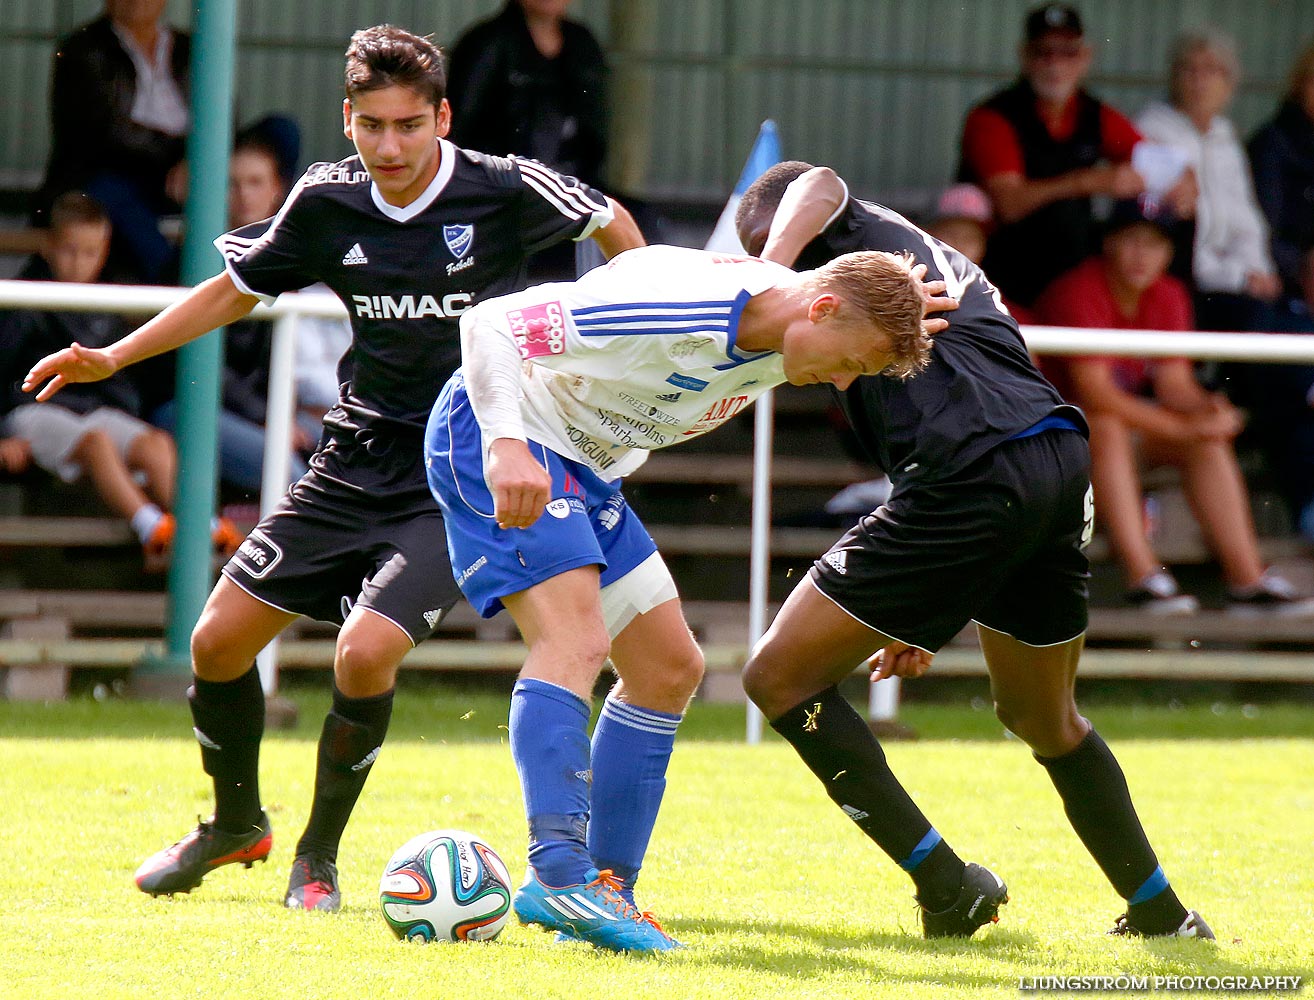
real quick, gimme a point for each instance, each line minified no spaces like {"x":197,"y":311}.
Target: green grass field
{"x":774,"y":892}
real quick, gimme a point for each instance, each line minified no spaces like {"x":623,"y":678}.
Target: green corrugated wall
{"x":878,"y":88}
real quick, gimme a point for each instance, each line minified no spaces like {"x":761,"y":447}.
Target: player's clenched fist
{"x":73,"y":364}
{"x":520,"y":486}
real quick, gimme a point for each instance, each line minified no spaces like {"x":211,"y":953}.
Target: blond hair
{"x":879,"y":286}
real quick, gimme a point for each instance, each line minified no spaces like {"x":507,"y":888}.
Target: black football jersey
{"x":980,"y":388}
{"x":406,"y":274}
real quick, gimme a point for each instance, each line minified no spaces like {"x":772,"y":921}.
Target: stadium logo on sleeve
{"x":459,"y":239}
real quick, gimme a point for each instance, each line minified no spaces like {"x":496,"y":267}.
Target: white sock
{"x":144,"y":521}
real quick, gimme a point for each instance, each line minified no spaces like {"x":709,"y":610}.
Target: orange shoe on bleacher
{"x":225,"y":537}
{"x":159,"y":546}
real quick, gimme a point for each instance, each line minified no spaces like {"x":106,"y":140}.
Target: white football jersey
{"x":636,"y":355}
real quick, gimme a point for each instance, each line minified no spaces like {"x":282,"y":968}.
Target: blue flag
{"x":764,"y":154}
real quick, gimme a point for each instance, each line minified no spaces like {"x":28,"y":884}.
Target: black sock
{"x":1099,"y":806}
{"x":840,"y":749}
{"x":229,"y":717}
{"x":348,"y":745}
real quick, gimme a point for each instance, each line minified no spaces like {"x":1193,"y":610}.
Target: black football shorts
{"x":1001,"y":543}
{"x":327,"y":548}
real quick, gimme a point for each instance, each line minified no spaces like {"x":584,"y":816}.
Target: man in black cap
{"x":1041,"y":149}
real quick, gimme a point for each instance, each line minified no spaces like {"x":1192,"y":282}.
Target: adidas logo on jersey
{"x":431,"y":618}
{"x":854,"y":814}
{"x":355,"y":255}
{"x":669,"y":397}
{"x":838,"y":561}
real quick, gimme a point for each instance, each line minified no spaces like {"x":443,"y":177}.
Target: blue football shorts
{"x":586,"y":521}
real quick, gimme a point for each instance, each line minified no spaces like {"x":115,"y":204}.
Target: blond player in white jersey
{"x":564,"y":389}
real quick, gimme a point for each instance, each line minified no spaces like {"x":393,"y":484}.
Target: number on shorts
{"x":1088,"y":517}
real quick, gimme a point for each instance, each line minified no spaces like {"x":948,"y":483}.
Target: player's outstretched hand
{"x":898,"y":659}
{"x":521,"y":487}
{"x":74,"y":363}
{"x":933,"y":294}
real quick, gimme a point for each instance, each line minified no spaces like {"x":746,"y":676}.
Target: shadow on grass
{"x":822,"y":951}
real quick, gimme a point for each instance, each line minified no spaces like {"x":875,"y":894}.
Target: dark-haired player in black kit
{"x":988,"y":519}
{"x":409,"y":233}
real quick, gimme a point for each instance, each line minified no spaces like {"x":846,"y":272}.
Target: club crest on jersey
{"x":459,"y":239}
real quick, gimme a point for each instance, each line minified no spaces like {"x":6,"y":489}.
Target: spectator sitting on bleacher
{"x":119,"y":120}
{"x":255,"y":191}
{"x":1282,"y":158}
{"x":95,"y":432}
{"x":1157,"y":412}
{"x":962,"y":213}
{"x":1228,"y":262}
{"x":1281,"y":397}
{"x":1041,"y":149}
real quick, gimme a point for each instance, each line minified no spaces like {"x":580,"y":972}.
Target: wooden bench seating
{"x":43,"y":632}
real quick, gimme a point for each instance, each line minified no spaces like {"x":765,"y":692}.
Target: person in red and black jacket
{"x":1041,"y":148}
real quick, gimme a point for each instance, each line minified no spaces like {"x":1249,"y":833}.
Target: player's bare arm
{"x":808,"y":204}
{"x":213,"y":303}
{"x":619,"y":235}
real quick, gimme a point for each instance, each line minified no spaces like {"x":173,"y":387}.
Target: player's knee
{"x":1049,"y":730}
{"x":364,"y":655}
{"x":213,"y":655}
{"x":761,"y":679}
{"x":681,"y":674}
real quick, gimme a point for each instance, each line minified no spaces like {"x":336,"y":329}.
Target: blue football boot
{"x":593,"y":911}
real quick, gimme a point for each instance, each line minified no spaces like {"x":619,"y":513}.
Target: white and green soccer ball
{"x":447,"y":885}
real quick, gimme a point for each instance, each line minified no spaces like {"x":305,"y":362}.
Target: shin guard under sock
{"x":550,"y":747}
{"x":228,"y":718}
{"x":349,"y":744}
{"x":631,"y":748}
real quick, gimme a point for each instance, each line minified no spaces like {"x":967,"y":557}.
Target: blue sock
{"x":550,"y":747}
{"x":631,"y":748}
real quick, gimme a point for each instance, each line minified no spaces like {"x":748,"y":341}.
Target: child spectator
{"x":962,"y":213}
{"x":94,"y":433}
{"x":1156,"y":412}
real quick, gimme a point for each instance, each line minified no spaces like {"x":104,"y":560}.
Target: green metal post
{"x":200,"y":363}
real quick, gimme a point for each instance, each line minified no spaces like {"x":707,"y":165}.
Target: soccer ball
{"x":447,"y":885}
